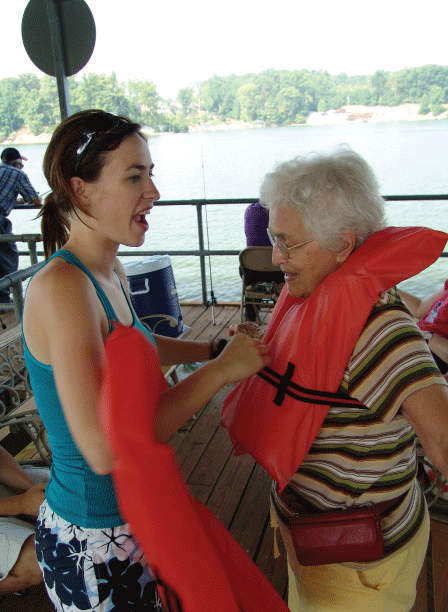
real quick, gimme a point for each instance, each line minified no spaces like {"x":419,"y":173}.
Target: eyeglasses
{"x":284,"y":250}
{"x":96,"y":123}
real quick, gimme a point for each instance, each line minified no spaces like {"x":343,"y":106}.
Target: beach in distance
{"x":345,"y":114}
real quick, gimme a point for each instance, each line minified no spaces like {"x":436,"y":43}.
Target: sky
{"x":177,"y":43}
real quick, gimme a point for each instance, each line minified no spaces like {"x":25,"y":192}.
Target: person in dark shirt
{"x":256,"y":219}
{"x":13,"y":181}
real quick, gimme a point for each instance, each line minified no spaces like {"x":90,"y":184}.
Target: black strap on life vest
{"x":285,"y":387}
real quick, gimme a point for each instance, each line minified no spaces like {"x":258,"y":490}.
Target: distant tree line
{"x":283,"y":97}
{"x":273,"y":97}
{"x":32,"y":102}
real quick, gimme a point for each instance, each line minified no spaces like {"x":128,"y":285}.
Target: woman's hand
{"x":249,"y":329}
{"x":242,"y":357}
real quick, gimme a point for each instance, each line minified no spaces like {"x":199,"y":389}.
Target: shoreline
{"x":346,"y":114}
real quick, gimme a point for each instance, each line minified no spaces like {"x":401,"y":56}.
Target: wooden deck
{"x":236,"y":489}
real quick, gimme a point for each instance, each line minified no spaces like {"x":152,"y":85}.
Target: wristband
{"x":217,"y":347}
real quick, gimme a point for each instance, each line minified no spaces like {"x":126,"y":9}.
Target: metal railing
{"x":30,"y":239}
{"x":15,"y":280}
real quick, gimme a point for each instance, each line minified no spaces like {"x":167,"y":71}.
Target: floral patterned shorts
{"x":101,"y":570}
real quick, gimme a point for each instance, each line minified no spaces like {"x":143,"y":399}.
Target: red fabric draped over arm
{"x":198,"y":565}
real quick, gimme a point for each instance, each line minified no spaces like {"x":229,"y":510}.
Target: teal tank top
{"x":74,"y":491}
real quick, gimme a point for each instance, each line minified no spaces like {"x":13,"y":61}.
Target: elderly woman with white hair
{"x":351,"y":379}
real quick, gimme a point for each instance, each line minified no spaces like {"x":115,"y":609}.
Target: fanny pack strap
{"x":292,"y":505}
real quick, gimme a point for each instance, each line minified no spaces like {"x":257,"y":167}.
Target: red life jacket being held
{"x":276,"y":414}
{"x":198,"y":565}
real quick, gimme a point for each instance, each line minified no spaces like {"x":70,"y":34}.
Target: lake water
{"x":408,"y":158}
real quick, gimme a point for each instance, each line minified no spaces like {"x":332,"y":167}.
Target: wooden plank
{"x":199,"y":326}
{"x":188,"y":308}
{"x":204,"y":329}
{"x":11,"y":334}
{"x":196,"y":442}
{"x":252,"y":511}
{"x":230,"y":488}
{"x":275,"y":570}
{"x":29,"y":453}
{"x":439,"y":543}
{"x":200,"y":492}
{"x":27,"y":406}
{"x":7,"y":320}
{"x":191,"y":316}
{"x":233,"y":315}
{"x":213,"y":460}
{"x":421,"y":601}
{"x":178,"y":439}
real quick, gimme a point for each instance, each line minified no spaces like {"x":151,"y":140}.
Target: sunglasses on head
{"x":96,"y":124}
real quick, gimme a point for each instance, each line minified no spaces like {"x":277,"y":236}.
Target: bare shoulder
{"x":59,"y":290}
{"x":56,"y":279}
{"x":60,"y":298}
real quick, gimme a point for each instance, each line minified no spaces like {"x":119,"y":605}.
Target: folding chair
{"x":262,"y":281}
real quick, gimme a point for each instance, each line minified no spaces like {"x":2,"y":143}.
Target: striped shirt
{"x":366,"y":454}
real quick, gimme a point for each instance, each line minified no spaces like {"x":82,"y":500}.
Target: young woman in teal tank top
{"x":100,"y":171}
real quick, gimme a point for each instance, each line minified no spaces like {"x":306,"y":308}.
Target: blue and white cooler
{"x":154,"y":294}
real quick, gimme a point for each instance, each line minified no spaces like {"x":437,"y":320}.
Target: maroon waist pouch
{"x":342,"y":536}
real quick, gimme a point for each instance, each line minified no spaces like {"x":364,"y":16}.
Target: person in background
{"x":256,"y":219}
{"x":22,"y":490}
{"x":13,"y":181}
{"x":100,"y":170}
{"x":322,"y":208}
{"x":432,"y":315}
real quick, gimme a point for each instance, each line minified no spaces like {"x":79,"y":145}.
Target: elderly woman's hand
{"x":249,"y":329}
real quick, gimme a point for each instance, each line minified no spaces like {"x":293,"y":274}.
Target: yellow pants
{"x":385,"y":586}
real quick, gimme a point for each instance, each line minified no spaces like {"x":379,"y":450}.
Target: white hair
{"x":330,"y":192}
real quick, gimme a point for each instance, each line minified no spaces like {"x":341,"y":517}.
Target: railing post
{"x":201,"y":252}
{"x":33,"y":251}
{"x":17,"y":299}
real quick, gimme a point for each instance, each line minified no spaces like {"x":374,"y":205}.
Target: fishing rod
{"x":212,"y":294}
{"x":41,"y":195}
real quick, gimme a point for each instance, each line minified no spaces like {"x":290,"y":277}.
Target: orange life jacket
{"x":276,"y":414}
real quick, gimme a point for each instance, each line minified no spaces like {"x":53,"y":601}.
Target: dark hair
{"x":78,"y":147}
{"x":10,"y":155}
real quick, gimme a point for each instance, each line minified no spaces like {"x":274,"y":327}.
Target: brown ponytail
{"x":55,"y":225}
